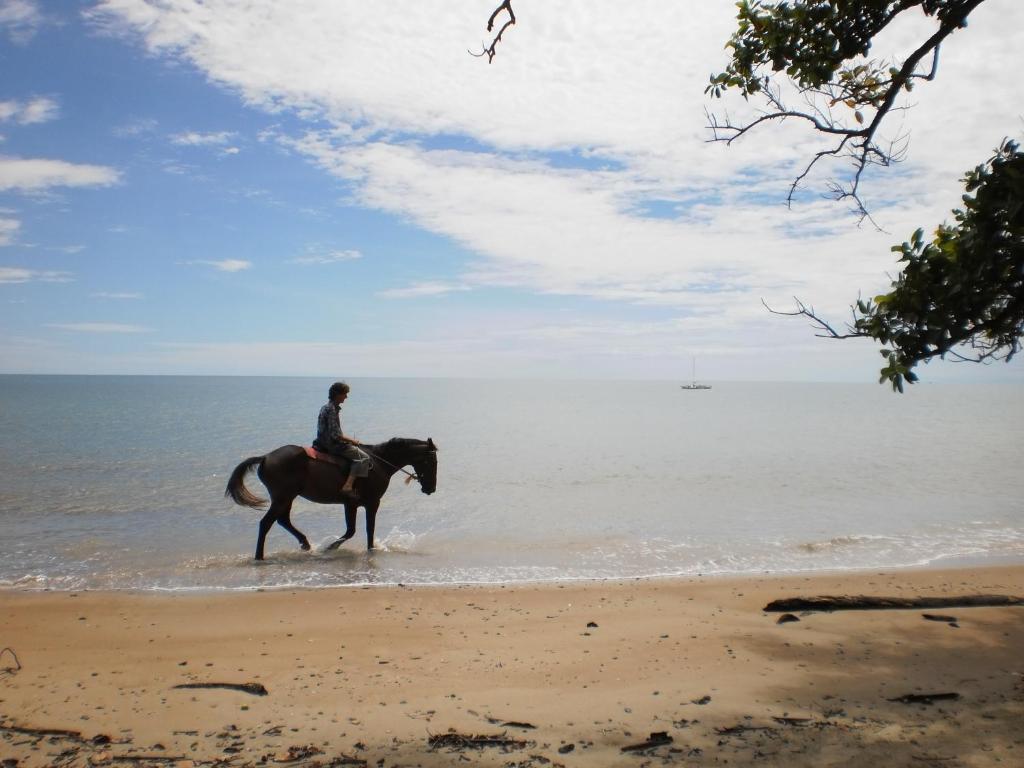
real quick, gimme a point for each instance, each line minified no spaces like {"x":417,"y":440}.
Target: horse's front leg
{"x":371,"y":521}
{"x":350,"y":526}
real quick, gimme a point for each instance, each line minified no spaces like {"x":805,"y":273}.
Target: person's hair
{"x":336,"y":389}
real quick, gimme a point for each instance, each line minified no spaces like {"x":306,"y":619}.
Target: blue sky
{"x":338,"y":189}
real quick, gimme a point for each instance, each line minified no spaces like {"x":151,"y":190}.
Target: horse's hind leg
{"x":350,"y":526}
{"x":279,"y":512}
{"x":265,"y":525}
{"x":284,"y":519}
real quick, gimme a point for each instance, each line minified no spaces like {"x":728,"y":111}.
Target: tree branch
{"x":490,"y":51}
{"x":808,"y":312}
{"x":857,"y":88}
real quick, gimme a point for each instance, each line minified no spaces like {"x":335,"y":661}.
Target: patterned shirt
{"x":328,"y":428}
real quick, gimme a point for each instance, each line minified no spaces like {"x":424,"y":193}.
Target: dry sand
{"x":368,"y":676}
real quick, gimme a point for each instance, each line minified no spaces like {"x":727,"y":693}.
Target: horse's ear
{"x":430,"y":444}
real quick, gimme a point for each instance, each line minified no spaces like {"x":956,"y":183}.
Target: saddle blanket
{"x":338,"y":461}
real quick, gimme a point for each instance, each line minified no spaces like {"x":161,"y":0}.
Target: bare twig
{"x":490,"y":51}
{"x":828,"y":331}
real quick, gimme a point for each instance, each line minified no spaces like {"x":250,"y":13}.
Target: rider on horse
{"x":330,"y":439}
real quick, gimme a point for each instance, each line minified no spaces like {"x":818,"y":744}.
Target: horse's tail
{"x":236,"y":484}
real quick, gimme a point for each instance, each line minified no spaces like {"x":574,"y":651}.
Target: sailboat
{"x":693,"y":379}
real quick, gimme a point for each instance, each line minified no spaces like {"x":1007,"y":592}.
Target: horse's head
{"x":425,"y":465}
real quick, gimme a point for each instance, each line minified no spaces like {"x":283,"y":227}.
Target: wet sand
{"x":402,"y":676}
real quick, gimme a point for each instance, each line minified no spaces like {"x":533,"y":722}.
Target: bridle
{"x":409,"y":475}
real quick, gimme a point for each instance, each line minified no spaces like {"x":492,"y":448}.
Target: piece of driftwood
{"x":345,"y":760}
{"x":298,"y":752}
{"x":146,"y":758}
{"x":510,"y":723}
{"x":939,"y":617}
{"x":734,"y":730}
{"x":925,"y":698}
{"x":456,"y":741}
{"x":870,"y":603}
{"x":798,"y":721}
{"x":255,"y":689}
{"x":17,"y":664}
{"x":60,"y":733}
{"x":656,"y":739}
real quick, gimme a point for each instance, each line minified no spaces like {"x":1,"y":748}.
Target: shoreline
{"x":946,"y":563}
{"x":370,"y":674}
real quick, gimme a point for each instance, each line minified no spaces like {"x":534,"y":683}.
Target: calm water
{"x":117,"y":482}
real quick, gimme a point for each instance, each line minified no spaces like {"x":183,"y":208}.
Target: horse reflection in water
{"x":288,"y":472}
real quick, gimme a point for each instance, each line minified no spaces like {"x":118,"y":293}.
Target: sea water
{"x":118,"y":482}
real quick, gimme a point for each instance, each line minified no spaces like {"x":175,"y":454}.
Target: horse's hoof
{"x":334,"y":545}
{"x":305,"y":546}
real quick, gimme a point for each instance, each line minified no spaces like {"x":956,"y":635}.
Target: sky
{"x":338,"y":188}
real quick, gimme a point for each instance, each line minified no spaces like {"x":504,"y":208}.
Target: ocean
{"x":117,"y":482}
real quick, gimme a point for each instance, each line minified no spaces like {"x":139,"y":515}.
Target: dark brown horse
{"x":288,"y":472}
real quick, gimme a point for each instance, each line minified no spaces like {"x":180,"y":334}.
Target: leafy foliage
{"x":960,"y":294}
{"x":812,"y":39}
{"x":965,"y":286}
{"x":821,"y":47}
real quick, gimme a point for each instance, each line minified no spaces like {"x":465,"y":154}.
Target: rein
{"x":409,"y":475}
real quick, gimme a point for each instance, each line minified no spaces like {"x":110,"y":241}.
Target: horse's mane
{"x":396,"y":442}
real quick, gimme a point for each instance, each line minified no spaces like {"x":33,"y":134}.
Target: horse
{"x":288,"y":472}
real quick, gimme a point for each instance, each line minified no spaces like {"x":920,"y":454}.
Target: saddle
{"x":317,"y":455}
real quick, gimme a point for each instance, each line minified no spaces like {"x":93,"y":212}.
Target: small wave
{"x":837,"y":542}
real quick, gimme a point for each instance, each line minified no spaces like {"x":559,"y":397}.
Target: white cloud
{"x":327,"y":257}
{"x":116,"y":295}
{"x":196,"y":139}
{"x":136,"y":127}
{"x":99,"y":327}
{"x":557,"y":150}
{"x":429,"y":288}
{"x":21,"y":19}
{"x":34,"y":175}
{"x":576,"y":232}
{"x":25,"y":275}
{"x":224,"y":265}
{"x":37,"y":110}
{"x":8,"y":230}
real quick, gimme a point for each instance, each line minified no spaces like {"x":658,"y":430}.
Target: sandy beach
{"x":647,"y":672}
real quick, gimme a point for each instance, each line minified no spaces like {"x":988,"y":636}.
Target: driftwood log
{"x":255,"y":689}
{"x":926,"y":698}
{"x":869,"y":603}
{"x":656,"y":739}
